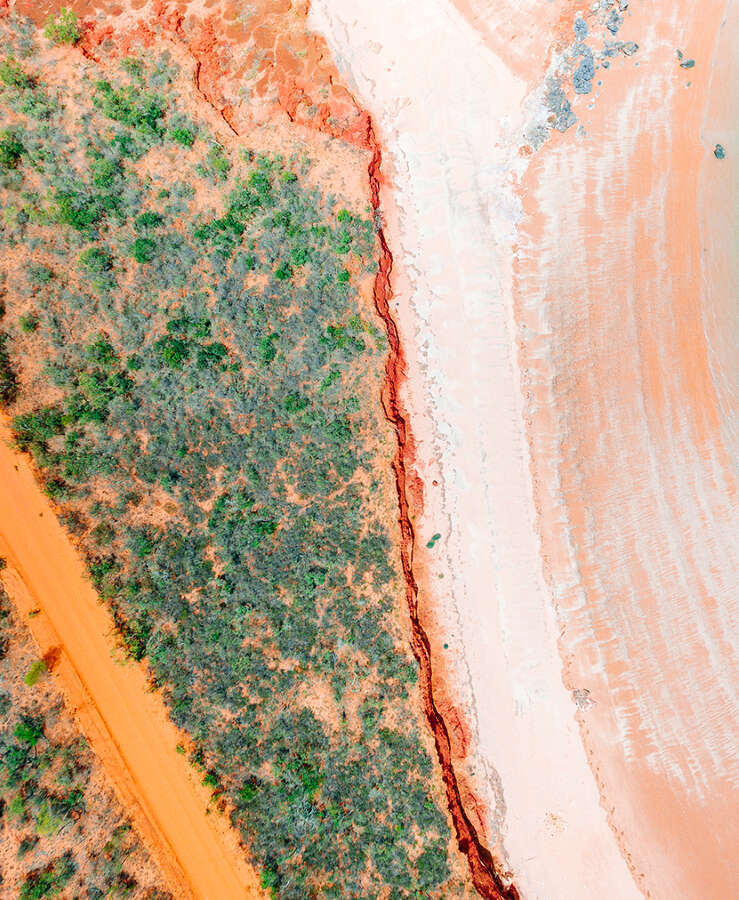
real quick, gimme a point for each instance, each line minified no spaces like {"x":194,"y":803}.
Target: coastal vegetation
{"x":188,"y":357}
{"x":64,"y":833}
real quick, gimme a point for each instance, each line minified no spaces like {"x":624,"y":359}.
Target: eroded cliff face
{"x":254,"y":60}
{"x":559,"y":222}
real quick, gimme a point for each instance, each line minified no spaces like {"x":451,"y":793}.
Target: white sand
{"x":448,"y":111}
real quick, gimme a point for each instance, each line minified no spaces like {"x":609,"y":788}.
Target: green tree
{"x":63,"y":28}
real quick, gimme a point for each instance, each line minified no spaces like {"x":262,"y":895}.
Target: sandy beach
{"x":569,"y":364}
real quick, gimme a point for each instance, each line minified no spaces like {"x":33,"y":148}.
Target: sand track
{"x":125,"y":722}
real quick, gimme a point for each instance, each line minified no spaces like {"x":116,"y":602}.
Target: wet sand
{"x":124,"y":721}
{"x":568,"y":389}
{"x":634,"y":475}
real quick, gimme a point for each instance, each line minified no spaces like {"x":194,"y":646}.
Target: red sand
{"x":126,"y":723}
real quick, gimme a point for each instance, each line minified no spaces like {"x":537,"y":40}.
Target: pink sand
{"x":570,"y":392}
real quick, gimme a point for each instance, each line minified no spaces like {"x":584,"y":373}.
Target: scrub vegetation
{"x":200,"y":393}
{"x":63,"y":831}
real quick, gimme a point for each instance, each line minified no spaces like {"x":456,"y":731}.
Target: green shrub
{"x":190,"y":326}
{"x":143,"y":250}
{"x":101,"y":351}
{"x":79,"y":210}
{"x":216,"y":164}
{"x":35,"y":672}
{"x":28,"y":323}
{"x":211,"y":355}
{"x":267,"y":350}
{"x":182,"y":135}
{"x":29,"y":731}
{"x":8,"y":377}
{"x":299,"y":256}
{"x":63,"y":28}
{"x":13,"y":76}
{"x":172,"y":351}
{"x":37,"y":427}
{"x":50,"y":881}
{"x":38,"y":275}
{"x":269,"y":880}
{"x":146,"y":220}
{"x":105,"y":172}
{"x":283,"y":272}
{"x":96,"y":261}
{"x":11,"y":149}
{"x":130,"y":106}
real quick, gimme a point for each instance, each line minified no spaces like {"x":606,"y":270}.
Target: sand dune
{"x":569,"y":388}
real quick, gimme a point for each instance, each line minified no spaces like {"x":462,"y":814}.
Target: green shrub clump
{"x":35,"y":672}
{"x":63,"y":28}
{"x":11,"y":149}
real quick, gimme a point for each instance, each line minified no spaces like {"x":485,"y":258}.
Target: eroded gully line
{"x":485,"y":876}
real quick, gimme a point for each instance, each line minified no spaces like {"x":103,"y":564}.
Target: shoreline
{"x":505,"y":266}
{"x":485,"y":872}
{"x":444,"y":290}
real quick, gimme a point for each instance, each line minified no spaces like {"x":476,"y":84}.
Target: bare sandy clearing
{"x":125,"y":722}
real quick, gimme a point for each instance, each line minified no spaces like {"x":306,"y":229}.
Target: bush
{"x":129,"y":106}
{"x":48,"y":882}
{"x":63,"y":29}
{"x":182,"y":136}
{"x":216,"y":164}
{"x":28,"y":323}
{"x":38,"y":275}
{"x":101,"y":351}
{"x":29,"y":731}
{"x":211,"y":355}
{"x":77,"y":209}
{"x":172,"y":351}
{"x":96,"y":261}
{"x":267,"y":349}
{"x":147,"y":220}
{"x":35,"y":672}
{"x":8,"y":377}
{"x":37,"y":427}
{"x":283,"y":272}
{"x":11,"y":149}
{"x":13,"y":76}
{"x":143,"y":250}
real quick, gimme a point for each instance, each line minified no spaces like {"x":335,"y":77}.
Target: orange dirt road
{"x":125,"y":722}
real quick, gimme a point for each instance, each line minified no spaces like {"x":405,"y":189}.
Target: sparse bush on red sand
{"x":206,"y":416}
{"x":64,"y":834}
